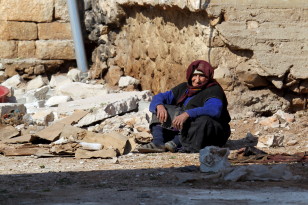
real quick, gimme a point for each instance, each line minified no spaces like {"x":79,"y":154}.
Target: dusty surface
{"x":167,"y":178}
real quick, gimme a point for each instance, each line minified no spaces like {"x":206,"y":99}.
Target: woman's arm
{"x":212,"y":107}
{"x":161,"y":99}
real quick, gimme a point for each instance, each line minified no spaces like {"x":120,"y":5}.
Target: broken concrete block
{"x":128,"y":80}
{"x":52,"y":132}
{"x":13,"y":81}
{"x":104,"y":153}
{"x":74,"y":118}
{"x":12,"y":109}
{"x":7,"y":132}
{"x":43,"y":117}
{"x":56,"y":100}
{"x":36,"y":83}
{"x":40,"y":93}
{"x":275,"y":140}
{"x":58,"y":80}
{"x":214,"y":159}
{"x":109,"y":110}
{"x":79,"y":90}
{"x":74,"y":75}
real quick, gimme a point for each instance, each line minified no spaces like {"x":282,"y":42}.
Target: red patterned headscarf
{"x":207,"y":70}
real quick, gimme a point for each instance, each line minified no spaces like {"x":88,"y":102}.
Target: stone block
{"x":55,"y":49}
{"x":54,"y":30}
{"x":59,"y":80}
{"x":11,"y":30}
{"x":61,"y":10}
{"x":35,"y":83}
{"x":13,"y":81}
{"x":43,"y":117}
{"x":7,"y":108}
{"x":113,"y":75}
{"x":52,"y":132}
{"x":10,"y":50}
{"x":74,"y":75}
{"x":275,"y":140}
{"x":26,"y":49}
{"x":28,"y":10}
{"x":128,"y":80}
{"x":56,"y":100}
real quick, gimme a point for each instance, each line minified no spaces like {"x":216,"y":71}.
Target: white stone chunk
{"x":275,"y":140}
{"x":58,"y":80}
{"x":214,"y":159}
{"x":79,"y":90}
{"x":56,"y":100}
{"x":43,"y":117}
{"x":128,"y":80}
{"x":13,"y":81}
{"x":40,"y":93}
{"x":74,"y":75}
{"x":36,"y":83}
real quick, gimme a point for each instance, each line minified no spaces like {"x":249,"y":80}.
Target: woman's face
{"x":198,"y":79}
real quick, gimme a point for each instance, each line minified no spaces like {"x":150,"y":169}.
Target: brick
{"x":11,"y":30}
{"x":61,"y":11}
{"x":8,"y":49}
{"x":28,"y":10}
{"x":55,"y":49}
{"x":55,"y":30}
{"x":26,"y":49}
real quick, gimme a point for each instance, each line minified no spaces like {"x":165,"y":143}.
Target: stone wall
{"x":35,"y":37}
{"x":258,"y":48}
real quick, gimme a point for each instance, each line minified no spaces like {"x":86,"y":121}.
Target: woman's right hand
{"x":161,"y":113}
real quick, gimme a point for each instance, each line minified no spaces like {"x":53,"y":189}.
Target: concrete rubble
{"x":65,"y":117}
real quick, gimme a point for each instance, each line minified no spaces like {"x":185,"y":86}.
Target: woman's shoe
{"x":171,"y":146}
{"x":151,"y":148}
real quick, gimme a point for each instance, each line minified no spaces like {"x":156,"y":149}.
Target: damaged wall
{"x":259,"y":49}
{"x":35,"y":37}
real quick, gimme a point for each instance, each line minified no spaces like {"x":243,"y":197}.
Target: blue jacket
{"x":212,"y":107}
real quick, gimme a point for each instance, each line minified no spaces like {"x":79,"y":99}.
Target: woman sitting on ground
{"x":190,"y":116}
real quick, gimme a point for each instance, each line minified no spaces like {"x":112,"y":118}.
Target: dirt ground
{"x":158,"y":178}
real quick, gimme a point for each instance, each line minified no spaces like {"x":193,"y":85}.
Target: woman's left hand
{"x":178,"y":121}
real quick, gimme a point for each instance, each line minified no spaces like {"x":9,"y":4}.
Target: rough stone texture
{"x":26,"y":49}
{"x":12,"y":30}
{"x":61,"y":10}
{"x":10,"y":51}
{"x":27,"y":10}
{"x":53,"y":49}
{"x":55,"y":30}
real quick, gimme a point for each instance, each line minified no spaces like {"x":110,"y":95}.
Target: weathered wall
{"x":257,"y":47}
{"x":34,"y":33}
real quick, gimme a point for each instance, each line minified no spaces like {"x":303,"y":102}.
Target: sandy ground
{"x":164,"y":178}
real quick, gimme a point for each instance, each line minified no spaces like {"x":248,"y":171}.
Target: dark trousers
{"x":162,"y":135}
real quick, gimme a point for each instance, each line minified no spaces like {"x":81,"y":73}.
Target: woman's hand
{"x":178,"y":121}
{"x":161,"y":113}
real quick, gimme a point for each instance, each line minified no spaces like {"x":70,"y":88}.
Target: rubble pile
{"x":71,"y":116}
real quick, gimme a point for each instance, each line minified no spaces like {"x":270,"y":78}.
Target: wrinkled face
{"x":198,"y":79}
